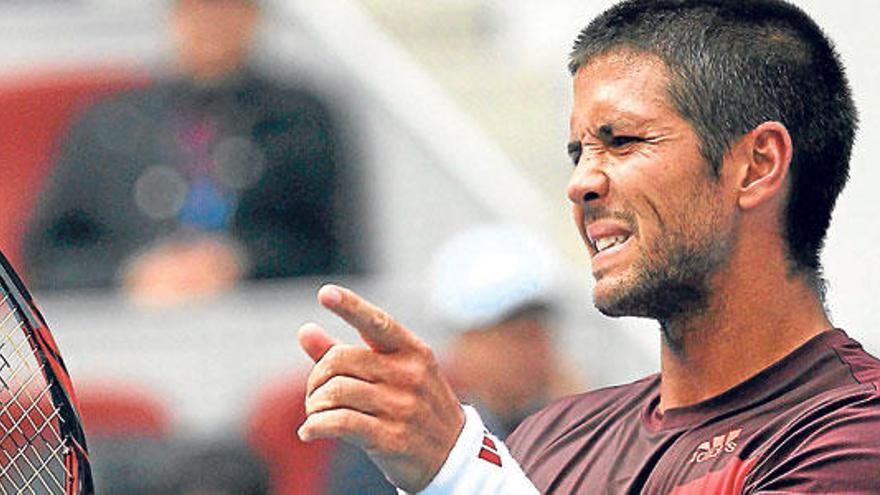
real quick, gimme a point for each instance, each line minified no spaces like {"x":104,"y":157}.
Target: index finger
{"x":381,"y":332}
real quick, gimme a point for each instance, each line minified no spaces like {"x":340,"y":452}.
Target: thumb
{"x":315,"y":340}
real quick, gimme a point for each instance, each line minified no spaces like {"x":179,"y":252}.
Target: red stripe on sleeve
{"x":489,"y":456}
{"x":489,"y":443}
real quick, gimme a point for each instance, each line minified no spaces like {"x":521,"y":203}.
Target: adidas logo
{"x":488,"y":451}
{"x":720,"y":444}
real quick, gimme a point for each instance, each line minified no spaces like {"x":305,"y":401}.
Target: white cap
{"x":484,"y":274}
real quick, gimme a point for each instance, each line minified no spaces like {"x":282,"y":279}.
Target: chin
{"x":657,"y":299}
{"x":612,"y":297}
{"x":613,"y":305}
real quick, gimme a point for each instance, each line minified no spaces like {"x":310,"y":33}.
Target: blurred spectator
{"x":493,"y":288}
{"x":184,"y":187}
{"x":225,"y":467}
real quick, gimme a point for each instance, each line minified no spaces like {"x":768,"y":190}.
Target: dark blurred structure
{"x":194,"y":182}
{"x":356,"y":473}
{"x":221,"y":467}
{"x":128,"y":430}
{"x":134,"y":449}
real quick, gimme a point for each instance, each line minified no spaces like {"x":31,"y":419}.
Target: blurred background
{"x":400,"y":139}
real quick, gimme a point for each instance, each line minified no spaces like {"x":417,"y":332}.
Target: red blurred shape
{"x":295,"y":467}
{"x":122,"y":409}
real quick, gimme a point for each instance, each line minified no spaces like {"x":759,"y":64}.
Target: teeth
{"x":607,"y":242}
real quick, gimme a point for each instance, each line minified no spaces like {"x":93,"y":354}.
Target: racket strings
{"x":33,"y":447}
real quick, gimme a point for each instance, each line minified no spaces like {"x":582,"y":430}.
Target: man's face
{"x":655,"y":221}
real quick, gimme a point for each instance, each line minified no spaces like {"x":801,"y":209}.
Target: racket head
{"x":42,"y":444}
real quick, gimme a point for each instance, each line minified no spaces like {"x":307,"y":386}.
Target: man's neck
{"x":755,"y":318}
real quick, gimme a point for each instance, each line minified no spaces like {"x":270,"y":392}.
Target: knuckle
{"x":380,"y":320}
{"x":407,"y":408}
{"x":313,"y":405}
{"x":326,"y":396}
{"x":330,"y":365}
{"x":310,"y":406}
{"x":419,"y":371}
{"x":314,"y":379}
{"x":391,"y":441}
{"x":409,"y":375}
{"x":424,"y":351}
{"x":335,"y":389}
{"x":398,"y":439}
{"x":430,"y":364}
{"x":344,"y":422}
{"x":333,"y":422}
{"x":331,"y":357}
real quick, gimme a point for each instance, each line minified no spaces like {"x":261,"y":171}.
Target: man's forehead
{"x":621,"y":90}
{"x":620,"y":115}
{"x":623,"y":67}
{"x":626,"y":56}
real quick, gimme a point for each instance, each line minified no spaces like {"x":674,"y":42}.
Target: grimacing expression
{"x":654,"y":219}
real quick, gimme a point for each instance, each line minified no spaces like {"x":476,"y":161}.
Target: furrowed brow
{"x":605,"y":133}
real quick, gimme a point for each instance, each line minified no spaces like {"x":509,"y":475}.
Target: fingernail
{"x":301,"y":434}
{"x":329,"y":294}
{"x":308,"y":325}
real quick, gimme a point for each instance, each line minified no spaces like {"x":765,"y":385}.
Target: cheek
{"x":688,"y":216}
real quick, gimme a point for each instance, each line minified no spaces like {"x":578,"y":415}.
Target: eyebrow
{"x":626,"y":122}
{"x":605,"y":132}
{"x":574,"y":151}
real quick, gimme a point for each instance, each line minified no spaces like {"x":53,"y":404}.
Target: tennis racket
{"x":42,"y":446}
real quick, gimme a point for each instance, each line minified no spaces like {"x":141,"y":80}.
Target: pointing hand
{"x":387,"y":398}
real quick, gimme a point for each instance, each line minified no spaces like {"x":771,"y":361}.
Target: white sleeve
{"x":478,"y":464}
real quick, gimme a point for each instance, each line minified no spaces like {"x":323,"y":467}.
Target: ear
{"x":767,"y":152}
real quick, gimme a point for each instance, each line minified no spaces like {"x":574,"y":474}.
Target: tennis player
{"x":710,"y":140}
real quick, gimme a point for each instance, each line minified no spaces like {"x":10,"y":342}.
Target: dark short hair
{"x":734,"y":65}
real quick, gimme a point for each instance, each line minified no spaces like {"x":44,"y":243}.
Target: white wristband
{"x":478,"y":464}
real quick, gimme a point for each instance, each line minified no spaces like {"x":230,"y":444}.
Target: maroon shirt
{"x":810,"y":423}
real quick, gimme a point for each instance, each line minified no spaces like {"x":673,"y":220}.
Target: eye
{"x":618,"y":141}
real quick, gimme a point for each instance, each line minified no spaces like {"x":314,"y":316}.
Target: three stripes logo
{"x":488,"y":451}
{"x":719,"y":444}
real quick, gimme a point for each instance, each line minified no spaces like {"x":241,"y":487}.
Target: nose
{"x":587,"y":184}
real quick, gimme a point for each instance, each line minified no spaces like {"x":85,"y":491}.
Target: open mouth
{"x":606,"y":243}
{"x":607,"y":236}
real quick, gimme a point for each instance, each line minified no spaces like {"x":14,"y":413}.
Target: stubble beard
{"x":672,"y":279}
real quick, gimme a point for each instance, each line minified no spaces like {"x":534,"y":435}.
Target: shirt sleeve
{"x":827,"y":453}
{"x":478,"y":464}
